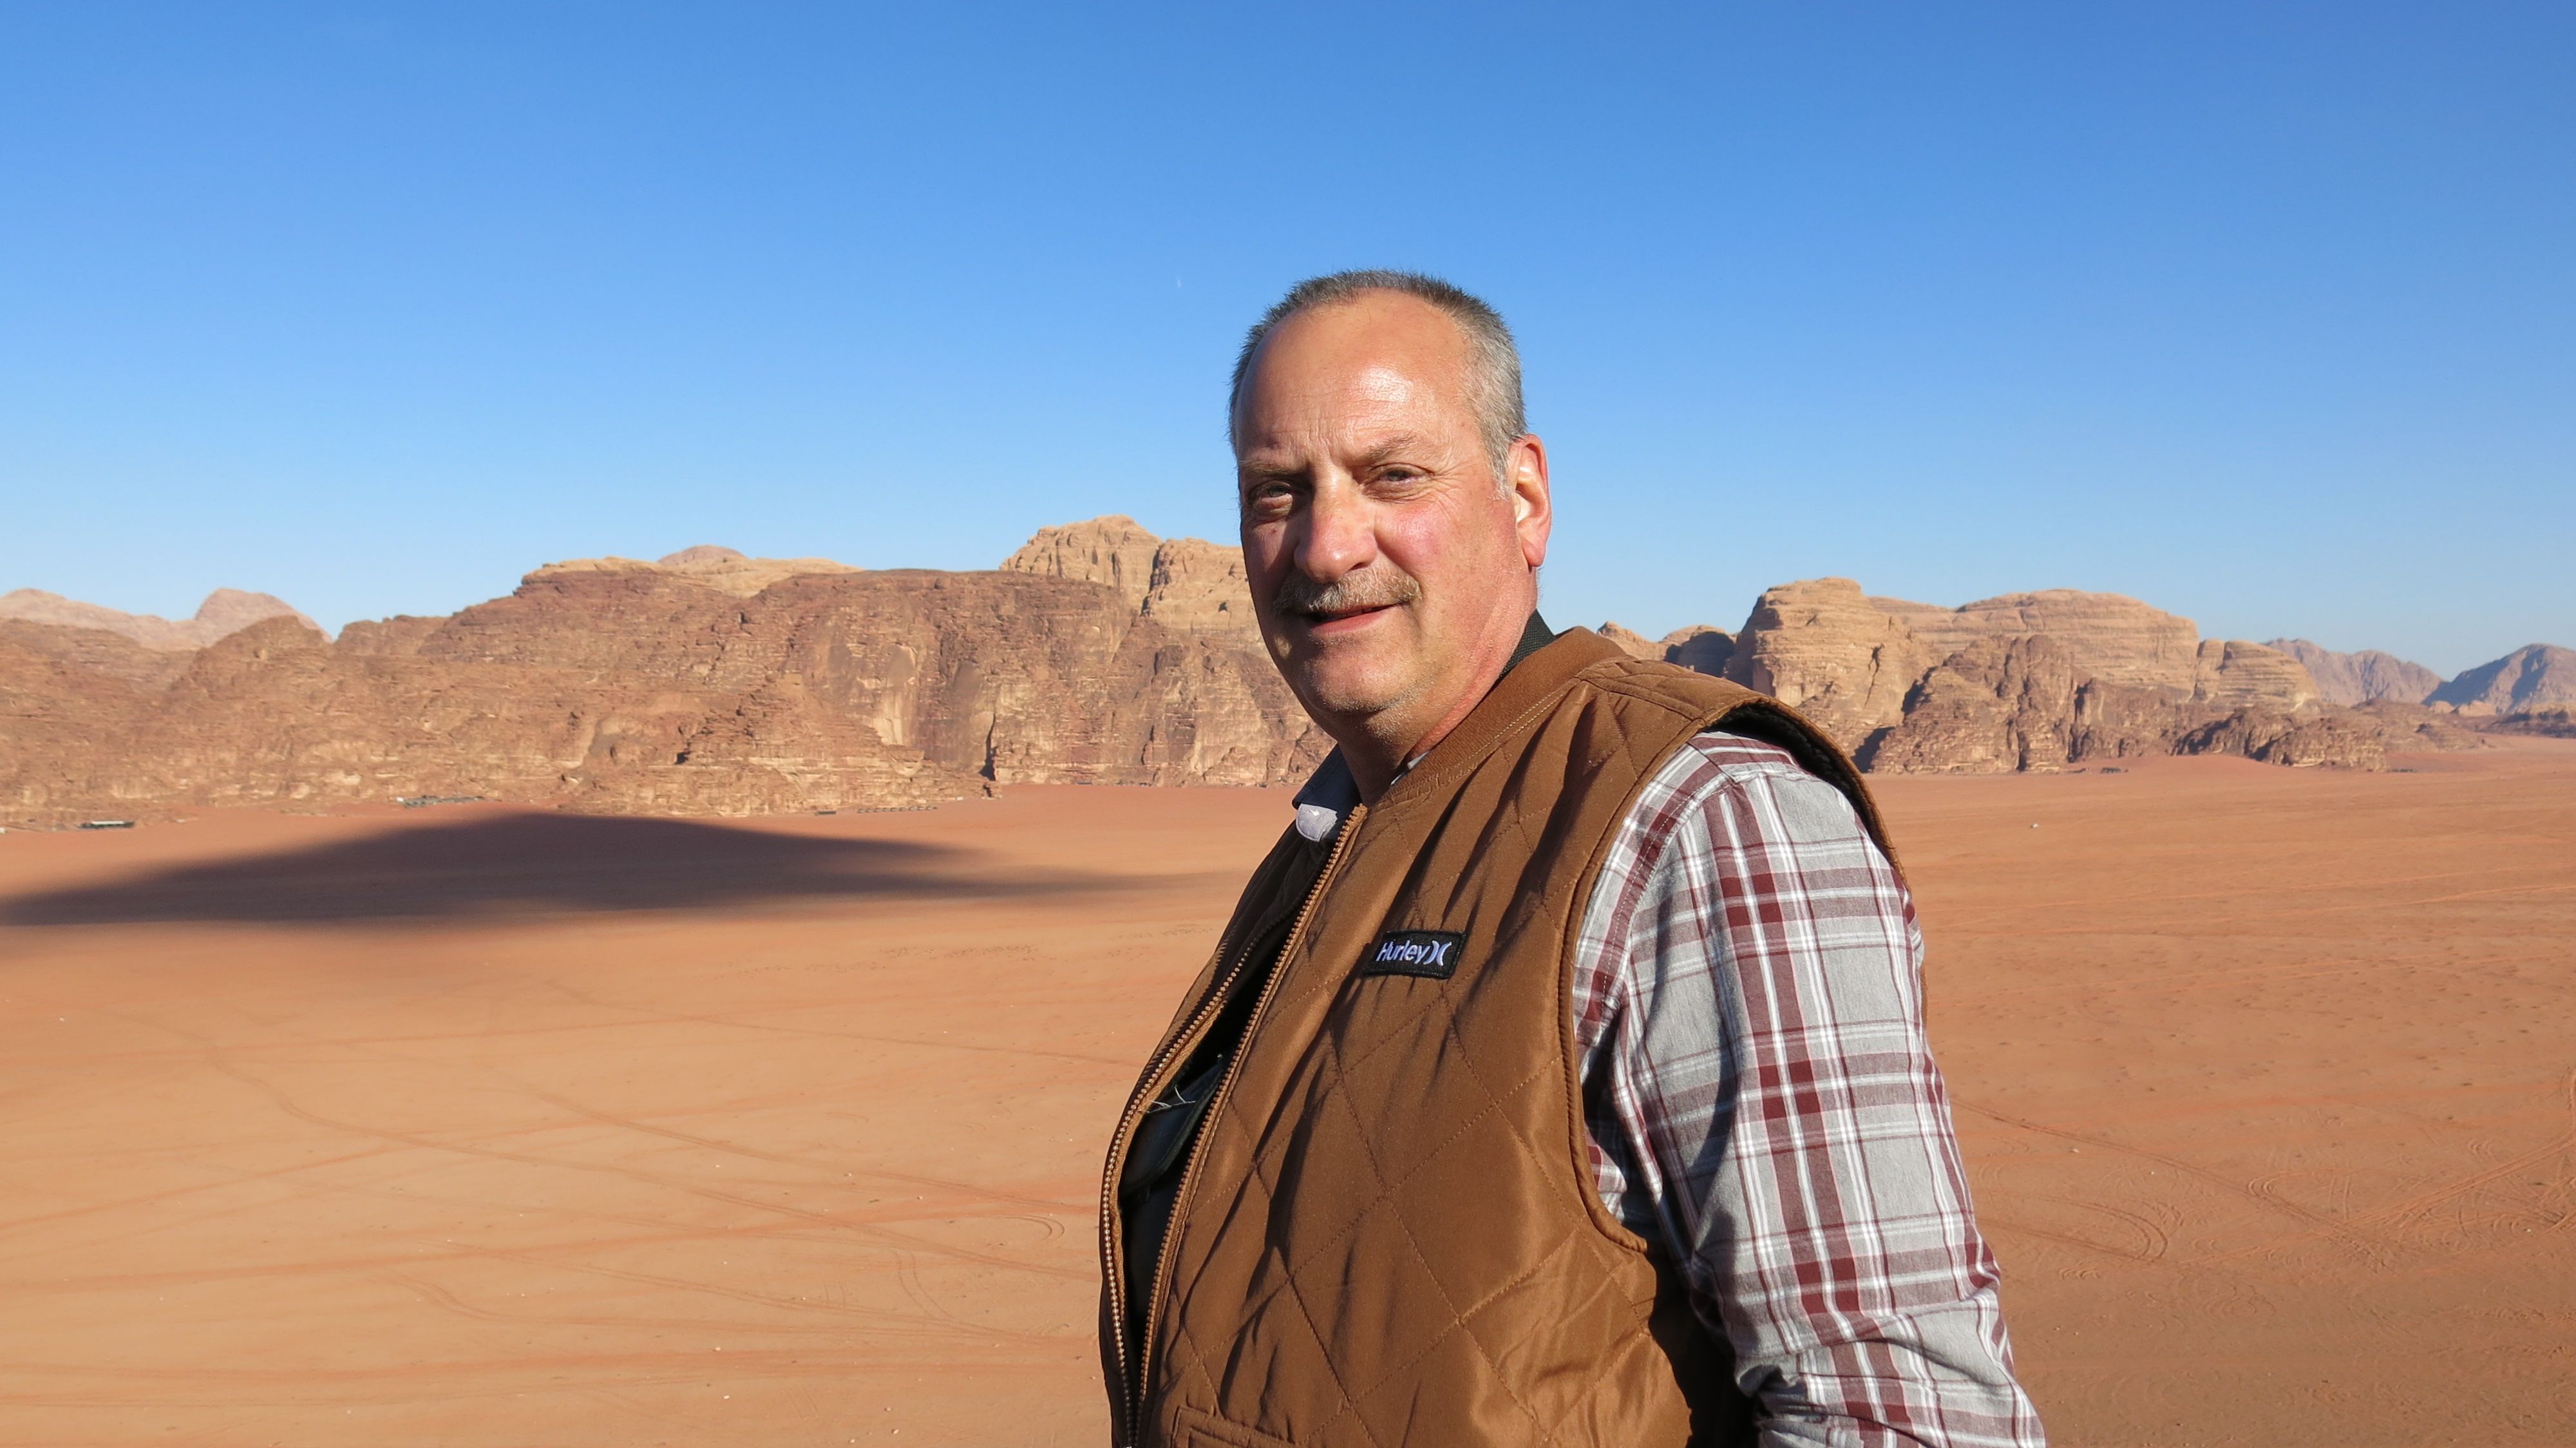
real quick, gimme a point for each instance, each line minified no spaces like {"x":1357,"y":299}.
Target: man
{"x":1561,"y":1076}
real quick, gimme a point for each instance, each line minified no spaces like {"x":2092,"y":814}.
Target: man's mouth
{"x":1336,"y":615}
{"x":1350,"y":600}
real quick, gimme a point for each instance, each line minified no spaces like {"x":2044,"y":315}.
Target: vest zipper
{"x":1131,"y":1386}
{"x":1124,"y":1141}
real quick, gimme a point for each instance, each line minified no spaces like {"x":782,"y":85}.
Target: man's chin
{"x":1333,"y":688}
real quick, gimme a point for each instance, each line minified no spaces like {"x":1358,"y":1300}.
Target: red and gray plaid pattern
{"x":1763,"y":1103}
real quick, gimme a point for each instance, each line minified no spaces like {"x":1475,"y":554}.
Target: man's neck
{"x":1375,"y":765}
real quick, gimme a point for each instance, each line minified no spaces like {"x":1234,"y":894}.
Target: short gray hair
{"x":1494,"y":363}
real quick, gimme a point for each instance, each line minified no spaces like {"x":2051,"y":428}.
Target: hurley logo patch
{"x":1430,"y":953}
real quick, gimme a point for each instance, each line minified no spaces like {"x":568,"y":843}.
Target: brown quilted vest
{"x":1387,"y":1233}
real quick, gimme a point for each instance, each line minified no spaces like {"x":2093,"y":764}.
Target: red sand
{"x":473,"y":1126}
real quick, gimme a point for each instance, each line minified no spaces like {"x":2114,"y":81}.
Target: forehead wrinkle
{"x":1339,"y":404}
{"x":1391,"y":445}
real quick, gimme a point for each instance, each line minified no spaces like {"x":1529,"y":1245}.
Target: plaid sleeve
{"x":1763,"y":1104}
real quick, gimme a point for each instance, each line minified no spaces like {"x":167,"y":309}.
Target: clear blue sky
{"x":2263,"y":313}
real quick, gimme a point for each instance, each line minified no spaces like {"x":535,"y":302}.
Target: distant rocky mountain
{"x":2534,"y":676}
{"x":721,"y":569}
{"x":2363,"y":677}
{"x":705,"y":683}
{"x":1186,"y":584}
{"x":1701,"y":647}
{"x":2042,"y":681}
{"x":708,"y":682}
{"x":225,"y":611}
{"x":1115,"y":550}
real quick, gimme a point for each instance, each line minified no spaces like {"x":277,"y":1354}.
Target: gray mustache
{"x":1385,"y":586}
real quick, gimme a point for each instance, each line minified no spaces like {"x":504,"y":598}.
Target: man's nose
{"x":1339,"y":536}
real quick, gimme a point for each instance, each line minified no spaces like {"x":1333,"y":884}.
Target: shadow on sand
{"x":542,"y":864}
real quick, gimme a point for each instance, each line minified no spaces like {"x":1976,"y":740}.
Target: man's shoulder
{"x":1718,"y":761}
{"x":1742,"y":757}
{"x":1764,"y":793}
{"x":1746,"y":738}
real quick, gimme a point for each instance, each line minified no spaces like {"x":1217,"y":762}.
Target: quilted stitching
{"x":1311,"y":1120}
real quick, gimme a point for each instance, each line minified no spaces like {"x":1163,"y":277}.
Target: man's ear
{"x":1525,"y":480}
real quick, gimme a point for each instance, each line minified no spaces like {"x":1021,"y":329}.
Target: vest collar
{"x":1540,"y":676}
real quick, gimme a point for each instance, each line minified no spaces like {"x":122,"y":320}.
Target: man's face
{"x":1389,"y":569}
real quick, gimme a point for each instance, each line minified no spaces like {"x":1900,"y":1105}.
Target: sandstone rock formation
{"x":1114,"y":550}
{"x":2042,"y":681}
{"x":97,"y":650}
{"x":1850,"y":661}
{"x":1635,"y":644}
{"x":2531,"y":677}
{"x":707,"y":682}
{"x":620,"y":686}
{"x":2105,"y":635}
{"x":2234,"y":672}
{"x":1701,"y":647}
{"x":225,"y":610}
{"x":2415,"y":726}
{"x":2299,"y":741}
{"x":1824,"y":649}
{"x":1198,"y":587}
{"x":2362,"y":677}
{"x":1188,"y":584}
{"x":721,"y":569}
{"x":1993,"y":705}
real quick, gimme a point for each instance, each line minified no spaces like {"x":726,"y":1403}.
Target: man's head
{"x":1395,"y":509}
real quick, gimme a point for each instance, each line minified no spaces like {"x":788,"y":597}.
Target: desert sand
{"x":476,"y":1125}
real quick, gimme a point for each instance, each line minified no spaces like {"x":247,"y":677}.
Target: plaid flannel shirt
{"x":1763,"y":1105}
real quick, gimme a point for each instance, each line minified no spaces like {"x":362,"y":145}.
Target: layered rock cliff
{"x":1115,"y":551}
{"x":707,"y":682}
{"x":2040,"y":681}
{"x":1823,"y":648}
{"x":1703,"y":648}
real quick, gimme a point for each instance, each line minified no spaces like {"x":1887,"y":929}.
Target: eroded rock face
{"x":1114,"y":550}
{"x":2363,"y":677}
{"x":98,"y":650}
{"x":2023,"y":705}
{"x":1850,"y":661}
{"x":2299,"y":741}
{"x":2038,"y":681}
{"x":1994,"y":705}
{"x":620,"y":686}
{"x":721,"y":569}
{"x":2105,"y":636}
{"x":1701,"y":647}
{"x":1631,"y":642}
{"x":1199,"y":587}
{"x":2234,"y":672}
{"x":1826,"y":650}
{"x":707,"y":682}
{"x":2416,"y":726}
